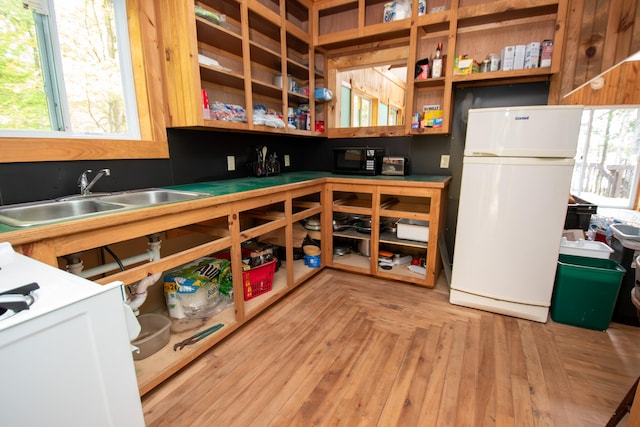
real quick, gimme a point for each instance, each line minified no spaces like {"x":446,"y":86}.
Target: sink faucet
{"x":85,"y":185}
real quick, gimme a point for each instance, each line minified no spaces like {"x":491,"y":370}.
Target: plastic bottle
{"x":593,"y":229}
{"x":436,"y":65}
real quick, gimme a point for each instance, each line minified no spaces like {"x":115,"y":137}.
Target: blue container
{"x":312,"y":261}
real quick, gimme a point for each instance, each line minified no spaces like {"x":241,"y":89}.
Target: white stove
{"x":29,"y":288}
{"x":66,"y":342}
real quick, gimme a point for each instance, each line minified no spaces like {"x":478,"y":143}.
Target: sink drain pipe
{"x":75,"y":266}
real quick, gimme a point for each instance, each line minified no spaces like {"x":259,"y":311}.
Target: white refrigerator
{"x":514,"y":193}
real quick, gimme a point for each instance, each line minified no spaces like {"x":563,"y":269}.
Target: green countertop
{"x":238,"y":185}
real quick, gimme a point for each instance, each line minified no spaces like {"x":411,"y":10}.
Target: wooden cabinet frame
{"x":277,"y":208}
{"x":425,"y":204}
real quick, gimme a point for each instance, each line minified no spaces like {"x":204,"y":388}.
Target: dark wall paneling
{"x":28,"y":182}
{"x":201,"y":155}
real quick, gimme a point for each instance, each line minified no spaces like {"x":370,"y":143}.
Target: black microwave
{"x":358,"y":160}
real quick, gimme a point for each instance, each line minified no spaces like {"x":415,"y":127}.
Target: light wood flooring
{"x":346,"y":349}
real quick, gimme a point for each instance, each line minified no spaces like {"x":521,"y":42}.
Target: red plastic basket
{"x":258,"y":280}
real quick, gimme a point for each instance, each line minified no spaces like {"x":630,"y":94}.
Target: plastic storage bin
{"x":585,"y":291}
{"x":154,"y":334}
{"x":579,"y":214}
{"x":585,"y":248}
{"x":412,"y":229}
{"x":258,"y":280}
{"x":624,"y":252}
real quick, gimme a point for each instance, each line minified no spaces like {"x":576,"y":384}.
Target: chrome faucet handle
{"x":83,"y":181}
{"x":100,"y":174}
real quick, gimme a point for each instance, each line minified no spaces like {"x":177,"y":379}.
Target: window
{"x":383,"y":114}
{"x":606,"y":169}
{"x":395,"y":116}
{"x":362,"y":110}
{"x":66,"y":70}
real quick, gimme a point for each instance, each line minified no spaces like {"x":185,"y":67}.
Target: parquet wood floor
{"x":346,"y":349}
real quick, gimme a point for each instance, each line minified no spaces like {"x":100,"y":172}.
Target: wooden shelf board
{"x":223,"y":124}
{"x":297,"y":69}
{"x":216,"y":35}
{"x":265,"y":56}
{"x":266,"y":89}
{"x":427,"y":83}
{"x":156,"y":368}
{"x":429,"y":131}
{"x":221,"y":77}
{"x":301,"y":272}
{"x":279,"y":286}
{"x":504,"y":11}
{"x":353,"y":262}
{"x":297,"y":97}
{"x":437,"y":21}
{"x":353,"y":202}
{"x":514,"y":76}
{"x":390,"y":238}
{"x":403,"y":208}
{"x":366,"y":132}
{"x":351,"y":233}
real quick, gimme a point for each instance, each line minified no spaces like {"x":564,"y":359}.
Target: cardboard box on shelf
{"x":546,"y":53}
{"x":507,"y":55}
{"x":518,"y":57}
{"x":462,"y":65}
{"x":532,"y":55}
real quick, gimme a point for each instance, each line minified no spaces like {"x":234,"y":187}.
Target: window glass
{"x":66,"y":68}
{"x":361,"y":111}
{"x":605,"y":171}
{"x":345,"y":110}
{"x":394,"y":115}
{"x":383,"y":113}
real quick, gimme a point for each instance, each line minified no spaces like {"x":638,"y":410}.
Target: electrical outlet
{"x":231,"y":163}
{"x":444,"y":161}
{"x":287,"y":161}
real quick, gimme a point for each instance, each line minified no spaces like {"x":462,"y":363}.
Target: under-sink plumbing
{"x":85,"y":185}
{"x":139,"y":289}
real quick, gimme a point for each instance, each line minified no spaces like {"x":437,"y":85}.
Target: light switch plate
{"x":444,"y":161}
{"x":287,"y":161}
{"x":231,"y":163}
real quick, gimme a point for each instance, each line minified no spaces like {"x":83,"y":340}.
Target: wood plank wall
{"x":600,"y":34}
{"x":620,"y":86}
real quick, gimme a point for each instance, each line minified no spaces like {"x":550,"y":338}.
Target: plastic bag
{"x":198,"y":290}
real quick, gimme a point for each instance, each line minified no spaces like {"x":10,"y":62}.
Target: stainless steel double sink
{"x":75,"y":207}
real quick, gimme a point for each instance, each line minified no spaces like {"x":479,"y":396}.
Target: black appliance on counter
{"x":357,"y":160}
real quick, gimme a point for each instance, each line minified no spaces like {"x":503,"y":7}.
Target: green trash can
{"x":585,"y":292}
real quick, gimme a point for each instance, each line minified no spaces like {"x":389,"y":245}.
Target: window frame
{"x":142,"y":22}
{"x":634,"y":196}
